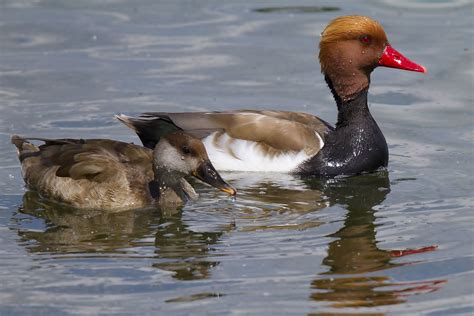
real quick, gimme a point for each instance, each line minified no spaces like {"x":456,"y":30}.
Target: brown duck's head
{"x":182,"y":153}
{"x":351,"y":47}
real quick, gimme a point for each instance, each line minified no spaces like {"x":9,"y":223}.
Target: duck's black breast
{"x":357,"y":144}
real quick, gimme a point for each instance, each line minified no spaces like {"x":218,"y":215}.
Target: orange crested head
{"x":351,"y":47}
{"x":361,"y":29}
{"x":352,"y":27}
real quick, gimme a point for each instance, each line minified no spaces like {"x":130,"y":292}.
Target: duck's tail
{"x":23,"y":145}
{"x":149,"y":128}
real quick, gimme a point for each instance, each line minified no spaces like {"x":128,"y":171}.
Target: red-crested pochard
{"x":351,"y":47}
{"x":112,"y":175}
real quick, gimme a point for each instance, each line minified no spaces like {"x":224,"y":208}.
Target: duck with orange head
{"x":351,"y":47}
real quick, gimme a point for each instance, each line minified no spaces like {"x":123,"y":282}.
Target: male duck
{"x":351,"y":48}
{"x":110,"y":175}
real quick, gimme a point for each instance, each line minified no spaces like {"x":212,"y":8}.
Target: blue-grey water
{"x":285,"y":245}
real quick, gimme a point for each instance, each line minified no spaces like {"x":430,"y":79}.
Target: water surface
{"x":285,"y":245}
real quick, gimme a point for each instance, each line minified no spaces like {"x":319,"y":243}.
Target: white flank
{"x":249,"y":156}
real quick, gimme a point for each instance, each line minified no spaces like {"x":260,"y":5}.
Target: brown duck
{"x":351,"y":47}
{"x":110,"y":175}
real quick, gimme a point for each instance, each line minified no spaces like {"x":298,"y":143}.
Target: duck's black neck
{"x":356,"y":145}
{"x":353,"y":111}
{"x":350,"y":109}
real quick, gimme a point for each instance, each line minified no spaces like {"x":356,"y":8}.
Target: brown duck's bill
{"x":206,"y":173}
{"x":393,"y":59}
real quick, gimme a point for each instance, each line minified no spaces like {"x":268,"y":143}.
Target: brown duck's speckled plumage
{"x":94,"y":173}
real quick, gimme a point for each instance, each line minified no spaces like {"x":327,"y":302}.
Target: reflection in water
{"x":275,"y":198}
{"x":194,"y":297}
{"x":273,"y":201}
{"x":70,"y":230}
{"x":263,"y":201}
{"x":355,"y":251}
{"x":263,"y":204}
{"x":184,"y":251}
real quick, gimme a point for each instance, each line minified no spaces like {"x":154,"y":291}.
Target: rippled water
{"x":285,"y":245}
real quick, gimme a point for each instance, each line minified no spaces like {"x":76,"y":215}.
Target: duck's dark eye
{"x":185,"y":150}
{"x":365,"y":39}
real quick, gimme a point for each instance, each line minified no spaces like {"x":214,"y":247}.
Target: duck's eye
{"x":185,"y":150}
{"x":365,"y":39}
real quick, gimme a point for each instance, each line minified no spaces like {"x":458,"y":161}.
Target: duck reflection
{"x":354,"y":250}
{"x":182,"y":250}
{"x":262,"y":196}
{"x":71,"y":230}
{"x":352,"y":258}
{"x":68,"y":230}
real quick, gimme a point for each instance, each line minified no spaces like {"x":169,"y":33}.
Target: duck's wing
{"x":95,"y":160}
{"x":101,"y":160}
{"x":279,"y":131}
{"x":245,"y":140}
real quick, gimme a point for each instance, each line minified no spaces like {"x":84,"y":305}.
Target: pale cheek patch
{"x":169,"y":157}
{"x":232,"y":154}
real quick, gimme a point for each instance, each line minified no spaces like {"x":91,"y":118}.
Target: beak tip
{"x":393,"y":59}
{"x":206,"y":173}
{"x":230,"y":190}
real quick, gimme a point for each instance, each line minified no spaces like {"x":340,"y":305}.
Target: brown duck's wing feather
{"x":95,"y":159}
{"x":278,"y":130}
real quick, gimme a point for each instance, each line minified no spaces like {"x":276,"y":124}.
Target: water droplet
{"x":350,"y":61}
{"x":353,"y":74}
{"x":363,"y":52}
